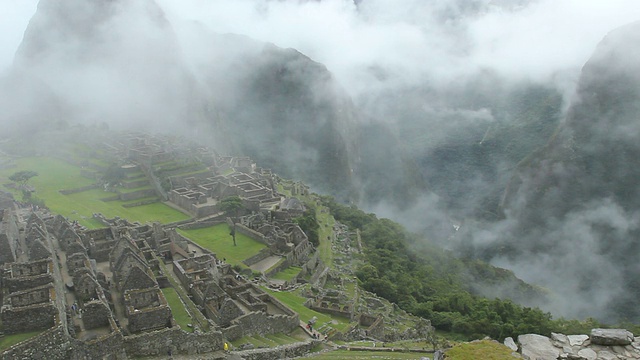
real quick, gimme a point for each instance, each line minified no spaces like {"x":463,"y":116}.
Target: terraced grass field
{"x":484,"y":349}
{"x":296,"y":303}
{"x":287,"y":274}
{"x":366,"y":355}
{"x":55,"y":175}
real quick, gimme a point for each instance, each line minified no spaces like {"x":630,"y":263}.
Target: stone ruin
{"x":232,"y":303}
{"x":99,"y":293}
{"x":95,"y":294}
{"x":199,"y":195}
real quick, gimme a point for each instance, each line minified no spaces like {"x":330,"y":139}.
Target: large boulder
{"x":610,"y":337}
{"x":508,"y":342}
{"x":577,"y":340}
{"x":536,"y":347}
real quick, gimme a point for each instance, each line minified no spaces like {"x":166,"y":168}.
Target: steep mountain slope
{"x":573,"y":206}
{"x":116,"y":62}
{"x":281,"y":108}
{"x":121,"y":63}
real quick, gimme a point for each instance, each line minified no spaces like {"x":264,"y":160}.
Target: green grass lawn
{"x":217,"y":239}
{"x":126,"y":191}
{"x":296,"y":303}
{"x":10,"y":340}
{"x":366,"y":355}
{"x":325,"y":234}
{"x":287,"y":274}
{"x":272,"y":340}
{"x":55,"y":175}
{"x":178,"y":311}
{"x":484,"y":349}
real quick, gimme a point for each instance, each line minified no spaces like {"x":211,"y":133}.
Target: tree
{"x":231,"y":205}
{"x":22,"y":177}
{"x":308,"y":222}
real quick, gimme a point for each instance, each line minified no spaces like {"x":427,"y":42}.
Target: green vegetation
{"x":56,"y":175}
{"x":232,"y":206}
{"x":218,"y":240}
{"x":317,"y":223}
{"x":22,"y":177}
{"x":435,"y":285}
{"x":485,"y":349}
{"x":365,"y":355}
{"x":271,"y":340}
{"x":309,"y":224}
{"x":296,"y":303}
{"x":178,"y":311}
{"x":287,"y":274}
{"x":10,"y":340}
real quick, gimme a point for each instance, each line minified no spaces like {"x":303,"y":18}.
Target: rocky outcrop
{"x":610,"y":337}
{"x":601,"y":344}
{"x":533,"y":346}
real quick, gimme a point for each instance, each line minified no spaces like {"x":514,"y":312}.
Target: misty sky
{"x":434,"y":40}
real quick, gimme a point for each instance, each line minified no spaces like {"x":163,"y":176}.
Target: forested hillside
{"x":434,"y":284}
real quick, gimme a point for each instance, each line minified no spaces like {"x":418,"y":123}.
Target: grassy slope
{"x":366,"y":355}
{"x":217,"y":239}
{"x":287,"y":274}
{"x":10,"y":340}
{"x":178,"y":311}
{"x":296,"y":303}
{"x":484,"y":349}
{"x":55,"y":175}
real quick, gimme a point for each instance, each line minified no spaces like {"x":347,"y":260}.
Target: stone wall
{"x":281,"y":266}
{"x":251,"y":233}
{"x":30,"y":297}
{"x":79,"y":189}
{"x":261,"y":255}
{"x":180,"y":342}
{"x":52,"y":344}
{"x":281,"y":352}
{"x":136,"y":194}
{"x":201,"y":224}
{"x":135,"y":183}
{"x":259,"y":323}
{"x":376,"y":330}
{"x":8,"y":238}
{"x":109,"y":346}
{"x":149,"y":319}
{"x":95,"y":314}
{"x":329,"y":310}
{"x":29,"y":318}
{"x":140,"y":203}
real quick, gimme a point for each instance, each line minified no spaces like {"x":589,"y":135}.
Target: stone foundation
{"x":180,"y":342}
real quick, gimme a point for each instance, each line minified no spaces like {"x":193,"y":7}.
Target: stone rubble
{"x":601,"y":344}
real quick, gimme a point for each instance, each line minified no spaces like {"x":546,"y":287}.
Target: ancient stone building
{"x":9,"y":245}
{"x":27,"y":275}
{"x":147,"y":309}
{"x":29,"y":310}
